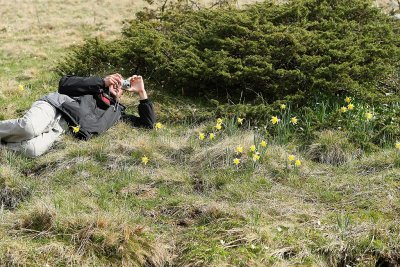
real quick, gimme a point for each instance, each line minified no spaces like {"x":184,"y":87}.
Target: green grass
{"x":205,"y":215}
{"x":94,"y":203}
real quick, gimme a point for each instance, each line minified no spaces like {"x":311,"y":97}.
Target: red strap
{"x":105,"y":99}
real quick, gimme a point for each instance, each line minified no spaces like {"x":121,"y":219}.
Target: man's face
{"x":116,"y":91}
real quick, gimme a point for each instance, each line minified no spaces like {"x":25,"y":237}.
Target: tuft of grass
{"x":40,"y":218}
{"x":11,"y":197}
{"x":97,"y":238}
{"x":377,"y":162}
{"x":220,"y":153}
{"x":332,"y":147}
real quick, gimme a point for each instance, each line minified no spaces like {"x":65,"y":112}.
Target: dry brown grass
{"x":37,"y":28}
{"x":388,"y":4}
{"x":34,"y":28}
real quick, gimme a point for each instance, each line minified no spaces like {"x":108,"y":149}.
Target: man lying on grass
{"x":86,"y":106}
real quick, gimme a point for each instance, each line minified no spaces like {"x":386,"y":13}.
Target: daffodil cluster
{"x":211,"y":136}
{"x":349,"y":105}
{"x":293,"y":161}
{"x":218,"y":126}
{"x":252,"y":153}
{"x":285,"y":116}
{"x":284,"y":124}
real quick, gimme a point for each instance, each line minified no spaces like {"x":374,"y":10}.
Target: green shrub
{"x":263,"y":52}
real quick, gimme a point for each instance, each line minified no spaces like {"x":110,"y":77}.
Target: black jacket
{"x":88,"y":114}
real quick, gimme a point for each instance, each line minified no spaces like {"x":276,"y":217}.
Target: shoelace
{"x":116,"y":105}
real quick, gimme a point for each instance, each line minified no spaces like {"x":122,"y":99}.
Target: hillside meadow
{"x":219,"y":191}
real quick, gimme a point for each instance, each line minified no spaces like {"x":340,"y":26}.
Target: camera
{"x":126,"y":84}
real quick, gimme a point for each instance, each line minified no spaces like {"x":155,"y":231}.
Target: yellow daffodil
{"x":240,"y":120}
{"x":21,"y":87}
{"x":159,"y":126}
{"x":218,"y":126}
{"x":297,"y":163}
{"x":350,"y":106}
{"x":252,"y":148}
{"x":219,"y":121}
{"x":343,"y":109}
{"x":274,"y":120}
{"x":369,"y":116}
{"x":201,"y":136}
{"x":282,"y":106}
{"x":263,"y":143}
{"x":347,"y":99}
{"x":145,"y":160}
{"x":398,"y":145}
{"x":239,"y":149}
{"x":211,"y":136}
{"x":75,"y":129}
{"x":256,"y":157}
{"x":291,"y":158}
{"x":293,"y":120}
{"x":236,"y":161}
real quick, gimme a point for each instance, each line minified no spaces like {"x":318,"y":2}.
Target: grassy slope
{"x":93,"y":203}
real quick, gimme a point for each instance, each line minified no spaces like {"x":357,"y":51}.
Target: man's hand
{"x":113,"y":82}
{"x":113,"y":79}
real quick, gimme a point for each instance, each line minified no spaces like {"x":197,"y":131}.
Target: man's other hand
{"x":137,"y":86}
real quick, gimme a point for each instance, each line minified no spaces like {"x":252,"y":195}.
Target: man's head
{"x":114,"y":84}
{"x":115,"y":91}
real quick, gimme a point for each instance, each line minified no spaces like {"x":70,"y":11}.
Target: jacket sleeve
{"x":78,"y":86}
{"x":147,"y":117}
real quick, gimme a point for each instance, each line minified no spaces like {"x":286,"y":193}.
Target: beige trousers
{"x":35,"y":132}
